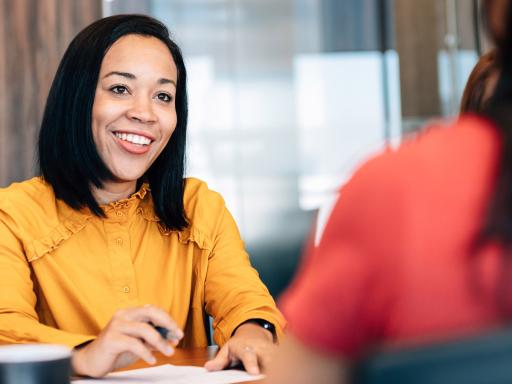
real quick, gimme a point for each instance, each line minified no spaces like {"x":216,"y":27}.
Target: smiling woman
{"x":111,"y":243}
{"x":134,"y":114}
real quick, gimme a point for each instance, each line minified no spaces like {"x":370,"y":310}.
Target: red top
{"x":394,"y":262}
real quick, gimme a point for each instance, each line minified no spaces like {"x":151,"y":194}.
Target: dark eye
{"x":166,"y":98}
{"x":119,"y":89}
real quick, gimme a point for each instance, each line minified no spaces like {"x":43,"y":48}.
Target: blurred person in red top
{"x":417,"y":246}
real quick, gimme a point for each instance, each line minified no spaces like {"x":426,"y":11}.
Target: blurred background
{"x":287,"y":97}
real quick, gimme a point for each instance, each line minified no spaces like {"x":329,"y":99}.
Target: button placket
{"x":123,"y":274}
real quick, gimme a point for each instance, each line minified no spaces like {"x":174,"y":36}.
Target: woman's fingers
{"x":264,"y":359}
{"x":154,"y":315}
{"x":220,"y":361}
{"x":134,"y":346}
{"x":110,"y":351}
{"x":148,"y":334}
{"x":233,"y":352}
{"x":249,"y":359}
{"x":130,"y":334}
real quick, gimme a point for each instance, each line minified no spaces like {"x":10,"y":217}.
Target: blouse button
{"x":119,"y":213}
{"x":119,"y":241}
{"x":126,"y":289}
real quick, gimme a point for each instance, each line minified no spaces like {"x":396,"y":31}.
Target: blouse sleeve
{"x":19,"y":321}
{"x":234,"y":292}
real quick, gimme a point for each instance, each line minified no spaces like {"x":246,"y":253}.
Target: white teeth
{"x":133,"y":138}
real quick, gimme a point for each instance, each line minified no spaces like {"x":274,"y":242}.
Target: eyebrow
{"x":131,"y":76}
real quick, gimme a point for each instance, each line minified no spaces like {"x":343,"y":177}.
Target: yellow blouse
{"x":63,"y":272}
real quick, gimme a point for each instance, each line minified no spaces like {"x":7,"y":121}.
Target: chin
{"x":126,"y":172}
{"x":126,"y":177}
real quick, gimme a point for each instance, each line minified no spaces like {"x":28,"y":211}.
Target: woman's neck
{"x":113,"y":191}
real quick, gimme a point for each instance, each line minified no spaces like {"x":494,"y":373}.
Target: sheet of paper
{"x":175,"y":374}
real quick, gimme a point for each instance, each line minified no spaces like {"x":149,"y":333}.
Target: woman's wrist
{"x":77,"y":359}
{"x":253,"y":330}
{"x":264,"y":324}
{"x":77,"y":362}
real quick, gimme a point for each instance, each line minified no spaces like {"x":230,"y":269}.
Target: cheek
{"x":97,"y":117}
{"x":95,"y":124}
{"x":105,"y":111}
{"x":170,"y":126}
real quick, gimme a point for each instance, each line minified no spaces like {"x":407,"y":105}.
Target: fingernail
{"x":253,"y":370}
{"x":168,"y":350}
{"x":152,"y":361}
{"x":175,"y":335}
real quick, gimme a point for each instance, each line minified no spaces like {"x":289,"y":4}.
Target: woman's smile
{"x":134,"y":143}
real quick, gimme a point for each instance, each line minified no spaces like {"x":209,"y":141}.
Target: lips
{"x":133,"y":143}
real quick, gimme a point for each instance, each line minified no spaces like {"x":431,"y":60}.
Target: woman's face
{"x":134,"y":111}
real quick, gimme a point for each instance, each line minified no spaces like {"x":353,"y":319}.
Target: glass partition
{"x":287,"y":97}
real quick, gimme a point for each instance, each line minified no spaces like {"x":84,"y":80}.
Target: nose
{"x":141,"y":110}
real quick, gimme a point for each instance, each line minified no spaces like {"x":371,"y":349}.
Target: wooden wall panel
{"x":417,"y":25}
{"x":33,"y":36}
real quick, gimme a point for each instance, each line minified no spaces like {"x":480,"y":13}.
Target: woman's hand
{"x":126,"y":338}
{"x":251,"y":345}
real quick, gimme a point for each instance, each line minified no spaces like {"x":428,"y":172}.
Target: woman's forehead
{"x":139,"y":54}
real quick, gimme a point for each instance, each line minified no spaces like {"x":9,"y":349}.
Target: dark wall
{"x":33,"y":37}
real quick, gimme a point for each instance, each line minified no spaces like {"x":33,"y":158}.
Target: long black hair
{"x":68,"y":158}
{"x":498,"y":222}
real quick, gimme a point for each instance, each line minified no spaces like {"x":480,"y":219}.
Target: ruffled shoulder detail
{"x":63,"y":231}
{"x":199,"y":208}
{"x":37,"y":218}
{"x":203,"y":208}
{"x":200,"y":238}
{"x":187,"y":235}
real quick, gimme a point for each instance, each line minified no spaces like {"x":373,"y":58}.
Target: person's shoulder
{"x":202,"y":205}
{"x":453,"y":139}
{"x":441,"y":148}
{"x":30,"y":206}
{"x":472,"y":132}
{"x":197,"y":191}
{"x":27,"y":194}
{"x":443,"y":153}
{"x":203,"y":208}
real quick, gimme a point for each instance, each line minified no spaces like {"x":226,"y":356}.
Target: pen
{"x":165,"y":333}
